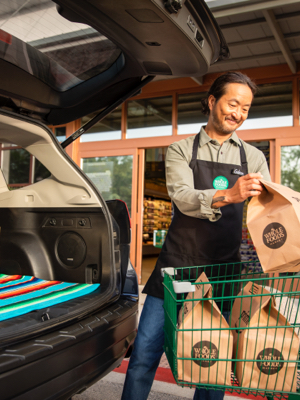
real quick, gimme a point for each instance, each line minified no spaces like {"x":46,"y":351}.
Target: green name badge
{"x":220,"y":183}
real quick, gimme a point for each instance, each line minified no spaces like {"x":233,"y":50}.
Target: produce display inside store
{"x":157,"y":216}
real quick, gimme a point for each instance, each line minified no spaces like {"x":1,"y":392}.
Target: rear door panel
{"x":55,"y":244}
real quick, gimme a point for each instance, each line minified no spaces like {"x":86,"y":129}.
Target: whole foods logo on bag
{"x":207,"y":353}
{"x":269,"y":361}
{"x":274,"y":235}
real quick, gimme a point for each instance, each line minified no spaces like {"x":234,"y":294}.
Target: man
{"x":209,"y":176}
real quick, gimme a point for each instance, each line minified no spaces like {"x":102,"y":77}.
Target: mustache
{"x":234,"y":119}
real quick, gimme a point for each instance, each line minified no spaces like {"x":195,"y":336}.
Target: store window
{"x":40,"y":172}
{"x":19,"y":167}
{"x":290,"y":167}
{"x":107,"y":129}
{"x":190,"y":118}
{"x":112,"y":176}
{"x":271,"y":107}
{"x":16,"y":166}
{"x":60,"y":133}
{"x":155,"y":175}
{"x":149,"y":117}
{"x":263,"y":146}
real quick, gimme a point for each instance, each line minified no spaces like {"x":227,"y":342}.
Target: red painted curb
{"x":165,"y":375}
{"x":162,"y":374}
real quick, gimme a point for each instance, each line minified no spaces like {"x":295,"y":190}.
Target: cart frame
{"x":227,"y":280}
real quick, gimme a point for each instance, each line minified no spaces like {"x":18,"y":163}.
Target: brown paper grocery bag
{"x":201,"y":337}
{"x":267,"y":344}
{"x":273,"y":221}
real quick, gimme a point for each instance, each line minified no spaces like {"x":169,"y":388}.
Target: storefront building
{"x":168,"y":111}
{"x":124,"y":154}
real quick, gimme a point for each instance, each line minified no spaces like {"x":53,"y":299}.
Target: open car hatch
{"x":60,"y":228}
{"x":104,"y":50}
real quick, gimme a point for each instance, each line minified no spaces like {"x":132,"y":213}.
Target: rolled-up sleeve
{"x":180,"y":185}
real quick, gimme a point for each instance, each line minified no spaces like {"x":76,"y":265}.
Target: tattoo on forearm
{"x":216,"y":200}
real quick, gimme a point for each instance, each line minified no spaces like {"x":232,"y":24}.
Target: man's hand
{"x":246,"y":186}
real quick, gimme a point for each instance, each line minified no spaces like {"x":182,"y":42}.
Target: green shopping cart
{"x":232,"y":327}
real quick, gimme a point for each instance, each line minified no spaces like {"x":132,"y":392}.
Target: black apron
{"x":194,"y":242}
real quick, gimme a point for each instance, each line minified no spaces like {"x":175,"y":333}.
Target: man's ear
{"x":211,"y":102}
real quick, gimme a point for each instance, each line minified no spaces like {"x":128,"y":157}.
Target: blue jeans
{"x":146,"y":355}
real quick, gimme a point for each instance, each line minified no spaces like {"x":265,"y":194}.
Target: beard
{"x":220,"y":126}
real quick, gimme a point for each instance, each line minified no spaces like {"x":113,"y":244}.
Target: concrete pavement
{"x":110,"y":388}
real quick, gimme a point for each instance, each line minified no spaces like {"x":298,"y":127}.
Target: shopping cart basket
{"x":259,"y":350}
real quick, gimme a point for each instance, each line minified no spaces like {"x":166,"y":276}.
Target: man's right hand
{"x":246,"y":186}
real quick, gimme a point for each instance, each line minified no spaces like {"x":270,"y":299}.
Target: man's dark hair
{"x":218,"y":88}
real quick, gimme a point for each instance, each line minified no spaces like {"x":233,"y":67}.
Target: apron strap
{"x":244,"y":163}
{"x":195,"y":147}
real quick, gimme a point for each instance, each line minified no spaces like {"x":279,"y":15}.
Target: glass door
{"x":290,"y":167}
{"x":156,"y":208}
{"x":287,"y":162}
{"x":114,"y":173}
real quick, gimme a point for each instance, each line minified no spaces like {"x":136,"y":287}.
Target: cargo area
{"x":28,"y":303}
{"x":22,"y":294}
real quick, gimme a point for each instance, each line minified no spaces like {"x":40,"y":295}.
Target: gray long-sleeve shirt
{"x":179,"y":176}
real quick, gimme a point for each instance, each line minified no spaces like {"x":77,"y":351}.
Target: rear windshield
{"x":63,"y":54}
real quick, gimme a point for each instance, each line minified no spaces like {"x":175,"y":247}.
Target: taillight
{"x":5,"y":37}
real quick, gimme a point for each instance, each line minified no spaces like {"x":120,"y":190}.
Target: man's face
{"x":230,"y":111}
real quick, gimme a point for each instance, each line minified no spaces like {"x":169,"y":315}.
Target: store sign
{"x":220,"y":183}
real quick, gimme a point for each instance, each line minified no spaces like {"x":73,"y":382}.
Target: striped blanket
{"x":21,"y":294}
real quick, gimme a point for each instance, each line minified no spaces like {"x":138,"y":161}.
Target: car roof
{"x":66,"y":59}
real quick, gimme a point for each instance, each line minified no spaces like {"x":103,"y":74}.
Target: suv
{"x":68,"y":293}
